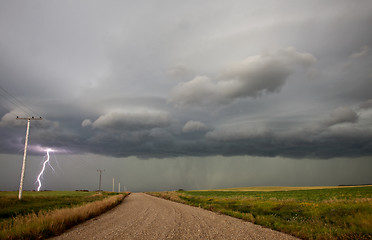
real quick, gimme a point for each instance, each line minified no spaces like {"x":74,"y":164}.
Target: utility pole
{"x":100,"y":178}
{"x":119,"y":187}
{"x":113,"y":184}
{"x":25,"y":154}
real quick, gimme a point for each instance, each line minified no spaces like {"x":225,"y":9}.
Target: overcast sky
{"x":194,"y":94}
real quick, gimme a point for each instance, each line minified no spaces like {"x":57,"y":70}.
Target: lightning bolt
{"x":42,"y":170}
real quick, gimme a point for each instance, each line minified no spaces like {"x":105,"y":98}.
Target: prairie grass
{"x":49,"y":223}
{"x":341,"y":213}
{"x":280,"y":188}
{"x":10,"y":206}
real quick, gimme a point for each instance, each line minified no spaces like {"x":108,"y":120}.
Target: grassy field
{"x":323,"y":213}
{"x":42,"y":201}
{"x":280,"y":188}
{"x":43,"y":214}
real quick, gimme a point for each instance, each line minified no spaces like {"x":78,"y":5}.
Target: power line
{"x":16,"y":102}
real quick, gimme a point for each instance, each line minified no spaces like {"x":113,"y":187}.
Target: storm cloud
{"x":186,"y":94}
{"x":252,"y":77}
{"x":129,"y":121}
{"x":166,"y":80}
{"x":194,"y":126}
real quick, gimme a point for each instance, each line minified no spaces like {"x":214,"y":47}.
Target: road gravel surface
{"x":141,"y":216}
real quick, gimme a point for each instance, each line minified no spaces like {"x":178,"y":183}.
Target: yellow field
{"x":279,"y":188}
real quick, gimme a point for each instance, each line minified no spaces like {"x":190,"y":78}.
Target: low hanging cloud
{"x":237,"y":133}
{"x":252,"y":77}
{"x":342,"y":115}
{"x":129,"y":121}
{"x":342,"y":133}
{"x":194,"y":126}
{"x":337,"y":119}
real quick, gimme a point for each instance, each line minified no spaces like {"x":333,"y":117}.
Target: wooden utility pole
{"x":113,"y":184}
{"x":100,"y":178}
{"x":25,"y":153}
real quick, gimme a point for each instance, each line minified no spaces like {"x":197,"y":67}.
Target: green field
{"x":35,"y":202}
{"x":323,"y":213}
{"x":280,"y":188}
{"x":310,"y":195}
{"x":44,"y":214}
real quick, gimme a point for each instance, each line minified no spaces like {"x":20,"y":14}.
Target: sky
{"x":166,"y":95}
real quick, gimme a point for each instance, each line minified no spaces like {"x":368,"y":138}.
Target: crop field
{"x":323,"y":213}
{"x":43,"y":214}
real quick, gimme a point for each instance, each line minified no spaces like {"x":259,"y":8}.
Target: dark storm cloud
{"x":342,"y":133}
{"x":163,"y":80}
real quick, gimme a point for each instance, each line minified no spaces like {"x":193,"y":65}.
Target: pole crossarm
{"x":29,"y":118}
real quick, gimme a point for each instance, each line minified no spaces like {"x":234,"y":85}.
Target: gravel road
{"x":141,"y":216}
